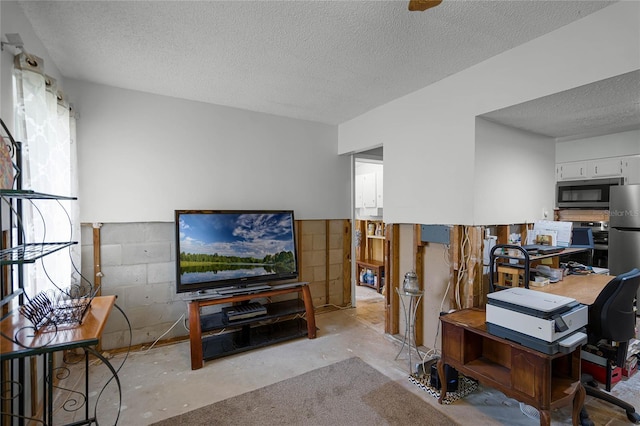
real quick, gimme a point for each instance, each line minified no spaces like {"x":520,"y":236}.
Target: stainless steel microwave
{"x":585,"y":194}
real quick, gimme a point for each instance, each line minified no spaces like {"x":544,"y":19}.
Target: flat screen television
{"x":225,"y":248}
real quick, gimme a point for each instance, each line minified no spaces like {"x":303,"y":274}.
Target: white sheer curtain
{"x":46,"y":127}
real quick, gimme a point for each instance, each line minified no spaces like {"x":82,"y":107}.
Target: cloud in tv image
{"x":224,"y":246}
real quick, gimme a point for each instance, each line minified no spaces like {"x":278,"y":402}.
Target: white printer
{"x":545,"y":322}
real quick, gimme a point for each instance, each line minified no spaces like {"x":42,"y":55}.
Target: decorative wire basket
{"x":44,"y":310}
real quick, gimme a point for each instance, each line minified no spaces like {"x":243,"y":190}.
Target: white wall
{"x":429,"y":135}
{"x":514,"y":158}
{"x":614,"y":145}
{"x":142,"y":156}
{"x":137,"y":151}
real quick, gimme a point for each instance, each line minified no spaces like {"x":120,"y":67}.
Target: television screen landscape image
{"x":233,"y":248}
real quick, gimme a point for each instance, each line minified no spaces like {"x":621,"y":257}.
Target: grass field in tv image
{"x":228,"y":246}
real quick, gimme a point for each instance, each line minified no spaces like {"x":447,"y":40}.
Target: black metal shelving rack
{"x":15,"y":255}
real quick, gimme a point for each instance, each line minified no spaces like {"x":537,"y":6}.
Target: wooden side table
{"x":532,"y":377}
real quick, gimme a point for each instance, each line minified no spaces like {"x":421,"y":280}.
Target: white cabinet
{"x":572,"y":170}
{"x":379,"y":196}
{"x":607,"y":167}
{"x":626,"y":167}
{"x":369,"y":190}
{"x":631,"y":170}
{"x":358,"y":192}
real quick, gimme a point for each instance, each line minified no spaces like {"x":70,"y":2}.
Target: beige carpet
{"x":348,"y":392}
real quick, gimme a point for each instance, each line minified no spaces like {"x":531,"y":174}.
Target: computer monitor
{"x":582,"y":238}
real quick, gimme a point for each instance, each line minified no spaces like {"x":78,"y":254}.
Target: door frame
{"x":370,"y":156}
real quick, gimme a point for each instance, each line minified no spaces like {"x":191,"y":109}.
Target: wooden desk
{"x":501,"y":258}
{"x":564,"y":252}
{"x":25,"y":343}
{"x":583,"y":288}
{"x":540,"y":380}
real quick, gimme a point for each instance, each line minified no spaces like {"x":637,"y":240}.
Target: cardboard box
{"x":599,"y":372}
{"x":630,"y":366}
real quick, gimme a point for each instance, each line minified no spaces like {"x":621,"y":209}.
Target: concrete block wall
{"x":324,"y":260}
{"x":138,"y":266}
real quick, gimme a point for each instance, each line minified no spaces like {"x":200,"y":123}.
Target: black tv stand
{"x":281,"y":322}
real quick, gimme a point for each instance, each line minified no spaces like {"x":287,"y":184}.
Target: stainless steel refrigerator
{"x":624,"y":230}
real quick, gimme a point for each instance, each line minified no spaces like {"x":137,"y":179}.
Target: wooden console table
{"x":534,"y":378}
{"x":248,"y":335}
{"x":19,"y":341}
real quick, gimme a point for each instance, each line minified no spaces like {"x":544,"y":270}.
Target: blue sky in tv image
{"x":221,"y":246}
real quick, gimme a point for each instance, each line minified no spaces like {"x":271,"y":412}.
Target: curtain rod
{"x":13,"y":39}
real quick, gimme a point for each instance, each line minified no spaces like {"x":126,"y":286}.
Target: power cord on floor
{"x":331,"y":305}
{"x":164,"y":334}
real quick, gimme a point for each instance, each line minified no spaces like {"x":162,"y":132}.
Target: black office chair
{"x":611,"y":326}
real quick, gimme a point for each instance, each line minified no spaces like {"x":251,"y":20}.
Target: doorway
{"x":369,"y":239}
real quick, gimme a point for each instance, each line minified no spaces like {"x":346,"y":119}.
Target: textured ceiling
{"x":325,"y":61}
{"x":604,"y":107}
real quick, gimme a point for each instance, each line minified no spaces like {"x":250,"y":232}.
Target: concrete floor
{"x":159,"y":383}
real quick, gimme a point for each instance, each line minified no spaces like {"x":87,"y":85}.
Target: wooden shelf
{"x":371,"y":254}
{"x":218,"y":321}
{"x":370,"y":263}
{"x":377,"y":268}
{"x":248,"y":338}
{"x":490,"y":371}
